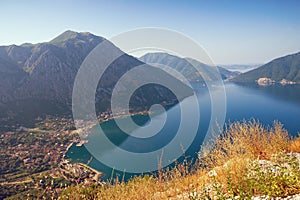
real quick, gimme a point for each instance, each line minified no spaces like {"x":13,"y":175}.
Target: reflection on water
{"x":276,"y":102}
{"x":286,"y":93}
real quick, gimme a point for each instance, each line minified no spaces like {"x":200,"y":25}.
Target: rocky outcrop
{"x":281,"y":165}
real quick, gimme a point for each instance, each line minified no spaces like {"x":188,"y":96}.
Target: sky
{"x":231,"y":32}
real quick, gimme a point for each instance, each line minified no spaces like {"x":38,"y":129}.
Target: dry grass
{"x":248,"y":140}
{"x":295,"y":145}
{"x":221,"y":173}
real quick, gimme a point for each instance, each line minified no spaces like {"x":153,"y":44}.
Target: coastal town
{"x":33,"y":159}
{"x":264,"y":81}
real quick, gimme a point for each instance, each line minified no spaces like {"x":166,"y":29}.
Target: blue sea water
{"x":243,"y":102}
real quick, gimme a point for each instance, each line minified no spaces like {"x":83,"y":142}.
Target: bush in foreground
{"x":247,"y":160}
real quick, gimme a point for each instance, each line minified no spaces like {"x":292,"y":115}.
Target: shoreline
{"x":82,"y":130}
{"x":79,"y":131}
{"x":100,"y":174}
{"x":67,"y":149}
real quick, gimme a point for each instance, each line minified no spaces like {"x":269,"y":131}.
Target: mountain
{"x":185,"y":66}
{"x":287,"y":67}
{"x":10,"y":75}
{"x":40,"y":77}
{"x":52,"y":66}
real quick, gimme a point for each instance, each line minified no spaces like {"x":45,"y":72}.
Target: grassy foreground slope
{"x":248,"y":160}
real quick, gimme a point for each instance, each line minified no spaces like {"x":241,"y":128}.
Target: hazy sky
{"x":253,"y":31}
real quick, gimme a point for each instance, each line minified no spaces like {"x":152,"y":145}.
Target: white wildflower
{"x":212,"y":173}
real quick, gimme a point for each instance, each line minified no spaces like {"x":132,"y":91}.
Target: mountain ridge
{"x":46,"y":72}
{"x":186,"y":67}
{"x":285,"y":67}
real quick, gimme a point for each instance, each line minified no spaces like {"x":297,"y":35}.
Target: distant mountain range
{"x":38,"y":79}
{"x":185,"y":67}
{"x":242,"y":68}
{"x":287,"y":67}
